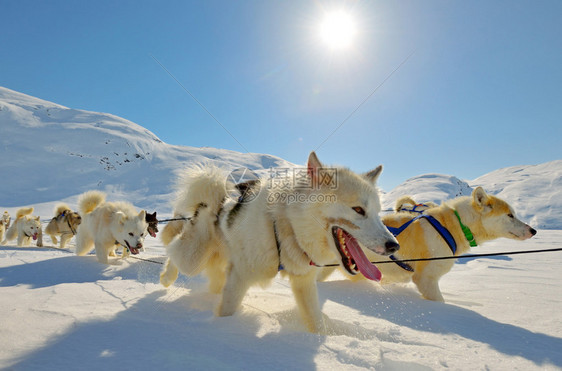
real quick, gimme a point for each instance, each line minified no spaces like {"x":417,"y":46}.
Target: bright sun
{"x":337,"y":30}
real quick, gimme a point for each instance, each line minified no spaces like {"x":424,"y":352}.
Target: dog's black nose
{"x":533,"y":231}
{"x":391,"y":246}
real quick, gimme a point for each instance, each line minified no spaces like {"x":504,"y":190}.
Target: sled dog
{"x":26,"y":227}
{"x":107,"y":224}
{"x":63,"y":224}
{"x":152,"y":222}
{"x":4,"y":224}
{"x":486,"y":216}
{"x":243,"y":241}
{"x":407,"y":204}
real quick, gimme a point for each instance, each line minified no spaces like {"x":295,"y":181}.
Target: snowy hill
{"x":55,"y":153}
{"x":52,"y":152}
{"x":428,"y":187}
{"x":535,"y":191}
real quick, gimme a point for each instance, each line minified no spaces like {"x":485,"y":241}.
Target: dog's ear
{"x":314,"y":165}
{"x":374,"y":174}
{"x":142,"y":215}
{"x":121,"y":217}
{"x":38,"y":218}
{"x":480,"y":197}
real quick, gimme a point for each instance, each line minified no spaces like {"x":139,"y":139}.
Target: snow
{"x":60,"y":311}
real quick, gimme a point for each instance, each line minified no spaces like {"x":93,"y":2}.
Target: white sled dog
{"x":483,"y":216}
{"x":243,"y":241}
{"x":4,"y":224}
{"x":107,"y":224}
{"x":64,"y":224}
{"x":26,"y":227}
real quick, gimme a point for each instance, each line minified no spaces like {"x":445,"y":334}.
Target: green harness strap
{"x":467,"y":232}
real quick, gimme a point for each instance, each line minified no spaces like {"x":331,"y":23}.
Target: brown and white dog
{"x":487,"y":217}
{"x":64,"y":224}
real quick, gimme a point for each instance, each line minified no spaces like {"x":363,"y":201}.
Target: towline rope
{"x":466,"y":256}
{"x":159,"y":221}
{"x":172,"y":220}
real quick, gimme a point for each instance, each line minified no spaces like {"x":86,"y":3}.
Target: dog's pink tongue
{"x":369,"y":270}
{"x":34,"y":236}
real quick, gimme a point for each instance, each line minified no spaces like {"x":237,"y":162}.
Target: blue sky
{"x":460,"y":88}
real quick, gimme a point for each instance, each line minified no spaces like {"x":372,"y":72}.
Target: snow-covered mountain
{"x":428,"y":187}
{"x":51,"y":152}
{"x":535,"y":191}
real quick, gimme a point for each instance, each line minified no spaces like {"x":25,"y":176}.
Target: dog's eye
{"x":142,"y":234}
{"x":510,"y":216}
{"x":359,"y":210}
{"x":131,"y":234}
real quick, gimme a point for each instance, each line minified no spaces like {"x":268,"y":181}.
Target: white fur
{"x":26,"y":227}
{"x":235,"y":244}
{"x":4,"y":224}
{"x":105,"y":224}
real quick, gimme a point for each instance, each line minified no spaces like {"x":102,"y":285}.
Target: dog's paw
{"x":165,"y":280}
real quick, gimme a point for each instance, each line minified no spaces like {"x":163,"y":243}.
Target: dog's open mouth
{"x":132,"y":250}
{"x":34,"y":235}
{"x":152,"y":232}
{"x":353,"y":258}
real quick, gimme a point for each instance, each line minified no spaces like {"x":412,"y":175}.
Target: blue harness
{"x":445,"y":234}
{"x":414,"y":209}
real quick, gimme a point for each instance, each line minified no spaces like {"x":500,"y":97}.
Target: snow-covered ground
{"x":59,"y":311}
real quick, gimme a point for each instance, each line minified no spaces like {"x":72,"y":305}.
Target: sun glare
{"x":337,"y":30}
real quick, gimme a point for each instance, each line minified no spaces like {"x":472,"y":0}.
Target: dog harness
{"x":62,"y":215}
{"x":414,"y":209}
{"x":278,"y":244}
{"x":444,"y":232}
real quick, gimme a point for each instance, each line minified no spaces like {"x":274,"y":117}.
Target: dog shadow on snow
{"x":169,"y":335}
{"x":402,"y":306}
{"x":73,"y":269}
{"x":166,"y":329}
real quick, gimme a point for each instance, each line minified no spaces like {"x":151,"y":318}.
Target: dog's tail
{"x":88,"y":201}
{"x":201,"y":192}
{"x":201,"y":185}
{"x":61,"y":209}
{"x":23,"y":212}
{"x":197,"y":187}
{"x":404,"y":200}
